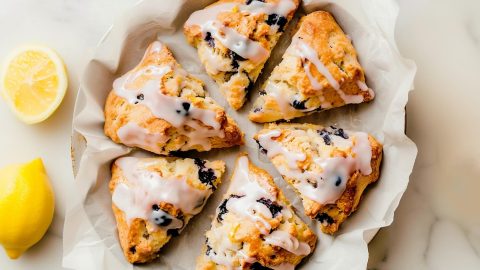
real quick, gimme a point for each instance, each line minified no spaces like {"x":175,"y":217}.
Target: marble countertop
{"x":437,"y":225}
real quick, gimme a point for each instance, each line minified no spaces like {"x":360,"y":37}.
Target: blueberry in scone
{"x":255,"y":227}
{"x":153,"y":199}
{"x":159,"y":107}
{"x":328,"y":167}
{"x":234,"y":39}
{"x":319,"y":71}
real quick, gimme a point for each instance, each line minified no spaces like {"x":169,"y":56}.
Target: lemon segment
{"x":26,"y":206}
{"x":34,"y":83}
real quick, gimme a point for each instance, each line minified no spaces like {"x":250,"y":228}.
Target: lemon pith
{"x":33,"y":82}
{"x":26,"y":206}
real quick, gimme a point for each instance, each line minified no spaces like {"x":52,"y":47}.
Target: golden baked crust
{"x":176,"y":84}
{"x":240,"y":241}
{"x":141,"y":238}
{"x":299,"y":85}
{"x":313,"y":145}
{"x":233,"y":73}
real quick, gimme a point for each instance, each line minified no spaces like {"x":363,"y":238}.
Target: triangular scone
{"x":328,"y":167}
{"x":161,"y":108}
{"x":319,"y":71}
{"x":254,"y":227}
{"x":154,"y":198}
{"x":234,"y":38}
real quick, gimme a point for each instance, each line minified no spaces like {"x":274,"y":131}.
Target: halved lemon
{"x":34,"y":82}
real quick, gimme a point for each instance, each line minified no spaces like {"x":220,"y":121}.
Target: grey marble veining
{"x":437,"y":225}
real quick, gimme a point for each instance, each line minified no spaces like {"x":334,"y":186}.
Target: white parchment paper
{"x":90,"y":236}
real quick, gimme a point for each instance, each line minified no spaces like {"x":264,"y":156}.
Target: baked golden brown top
{"x":161,"y":108}
{"x":234,"y":38}
{"x":329,"y":167}
{"x":255,"y":227}
{"x":153,"y":199}
{"x":319,"y":71}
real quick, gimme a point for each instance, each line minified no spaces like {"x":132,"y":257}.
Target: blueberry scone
{"x":234,"y":38}
{"x":161,"y":108}
{"x":154,"y":198}
{"x":327,"y":166}
{"x":254,"y":227}
{"x":319,"y":71}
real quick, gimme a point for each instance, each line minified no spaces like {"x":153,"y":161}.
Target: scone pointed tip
{"x":217,"y":30}
{"x":328,"y":167}
{"x":148,"y":213}
{"x":319,"y":71}
{"x":159,"y":107}
{"x":256,"y":225}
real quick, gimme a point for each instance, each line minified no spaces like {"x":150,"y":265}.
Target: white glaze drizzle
{"x":156,"y":47}
{"x":274,"y":148}
{"x":363,"y":86}
{"x":158,"y":103}
{"x":133,"y":135}
{"x":282,"y":99}
{"x":281,"y":7}
{"x":363,"y":153}
{"x":146,"y":188}
{"x":339,"y":142}
{"x":288,"y":242}
{"x":216,"y":63}
{"x":200,"y":17}
{"x":209,"y":13}
{"x":313,"y":81}
{"x":327,"y":190}
{"x":230,"y":38}
{"x":248,"y":207}
{"x":169,"y":108}
{"x":226,"y":252}
{"x":305,"y":52}
{"x":174,"y":224}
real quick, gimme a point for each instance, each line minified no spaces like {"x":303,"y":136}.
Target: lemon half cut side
{"x":33,"y":82}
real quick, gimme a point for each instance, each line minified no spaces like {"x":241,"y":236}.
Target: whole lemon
{"x":26,"y":206}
